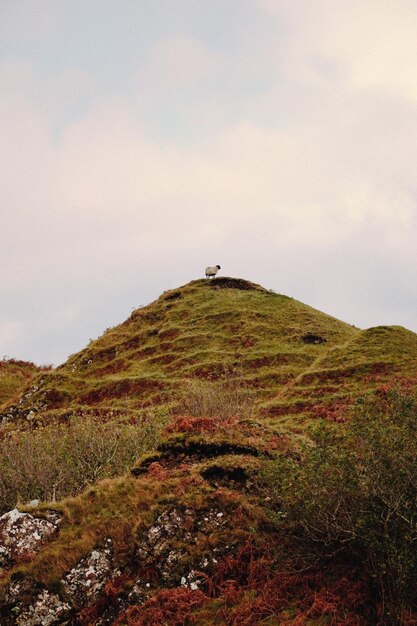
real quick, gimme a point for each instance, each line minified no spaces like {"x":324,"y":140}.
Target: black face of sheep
{"x":212,"y":271}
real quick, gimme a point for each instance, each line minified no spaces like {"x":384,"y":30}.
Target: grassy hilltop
{"x":224,"y":329}
{"x":291,"y":359}
{"x":196,"y":410}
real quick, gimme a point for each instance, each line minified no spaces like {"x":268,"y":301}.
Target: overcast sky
{"x":142,"y":140}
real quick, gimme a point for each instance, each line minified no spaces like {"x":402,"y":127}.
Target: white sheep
{"x":212,"y":271}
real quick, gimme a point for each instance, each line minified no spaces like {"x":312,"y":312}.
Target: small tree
{"x":356,"y":490}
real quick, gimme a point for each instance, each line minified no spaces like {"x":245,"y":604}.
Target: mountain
{"x":187,"y":535}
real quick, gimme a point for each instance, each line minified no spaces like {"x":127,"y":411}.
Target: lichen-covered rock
{"x":140,"y":592}
{"x":193,"y":580}
{"x":80,"y":588}
{"x":165,"y":544}
{"x":46,"y":610}
{"x":84,"y":582}
{"x":17,"y":589}
{"x":23,"y":534}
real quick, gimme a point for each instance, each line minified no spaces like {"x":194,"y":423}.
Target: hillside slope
{"x":369,"y":359}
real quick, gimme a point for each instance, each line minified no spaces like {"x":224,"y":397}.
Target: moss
{"x":143,"y":463}
{"x":200,"y":447}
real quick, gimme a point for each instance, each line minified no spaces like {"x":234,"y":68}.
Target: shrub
{"x":355,"y":492}
{"x":51,"y":462}
{"x":217,"y":398}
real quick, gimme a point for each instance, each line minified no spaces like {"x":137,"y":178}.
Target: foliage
{"x":244,"y":591}
{"x":170,"y":606}
{"x":355,"y":492}
{"x":51,"y":462}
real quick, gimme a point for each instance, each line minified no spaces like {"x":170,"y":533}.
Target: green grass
{"x":217,"y":331}
{"x":369,"y":359}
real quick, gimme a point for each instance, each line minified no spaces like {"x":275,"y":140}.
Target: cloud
{"x":9,"y":336}
{"x":20,"y":24}
{"x":372,"y":45}
{"x":303,"y":181}
{"x":178,"y":61}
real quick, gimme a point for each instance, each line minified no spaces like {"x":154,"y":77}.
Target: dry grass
{"x":225,"y":398}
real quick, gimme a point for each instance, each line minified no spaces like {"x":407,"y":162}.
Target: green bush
{"x":51,"y":462}
{"x":355,"y":492}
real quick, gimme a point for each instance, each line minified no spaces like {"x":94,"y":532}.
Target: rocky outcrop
{"x":165,"y":545}
{"x":176,"y":542}
{"x":22,"y":534}
{"x":83,"y":584}
{"x":46,"y":610}
{"x":163,"y":558}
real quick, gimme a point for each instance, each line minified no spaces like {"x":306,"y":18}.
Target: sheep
{"x":212,"y":271}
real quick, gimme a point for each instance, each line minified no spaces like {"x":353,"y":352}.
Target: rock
{"x":16,"y":589}
{"x":165,"y":544}
{"x":82,"y":585}
{"x":46,"y":610}
{"x":140,"y":592}
{"x":193,"y":580}
{"x":23,"y":534}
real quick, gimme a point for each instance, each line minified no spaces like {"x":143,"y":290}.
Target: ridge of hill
{"x":370,"y":359}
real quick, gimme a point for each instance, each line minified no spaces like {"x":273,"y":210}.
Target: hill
{"x":223,"y":329}
{"x":293,"y":361}
{"x":194,"y":532}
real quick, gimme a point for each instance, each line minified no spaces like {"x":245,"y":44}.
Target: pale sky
{"x":142,"y":140}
